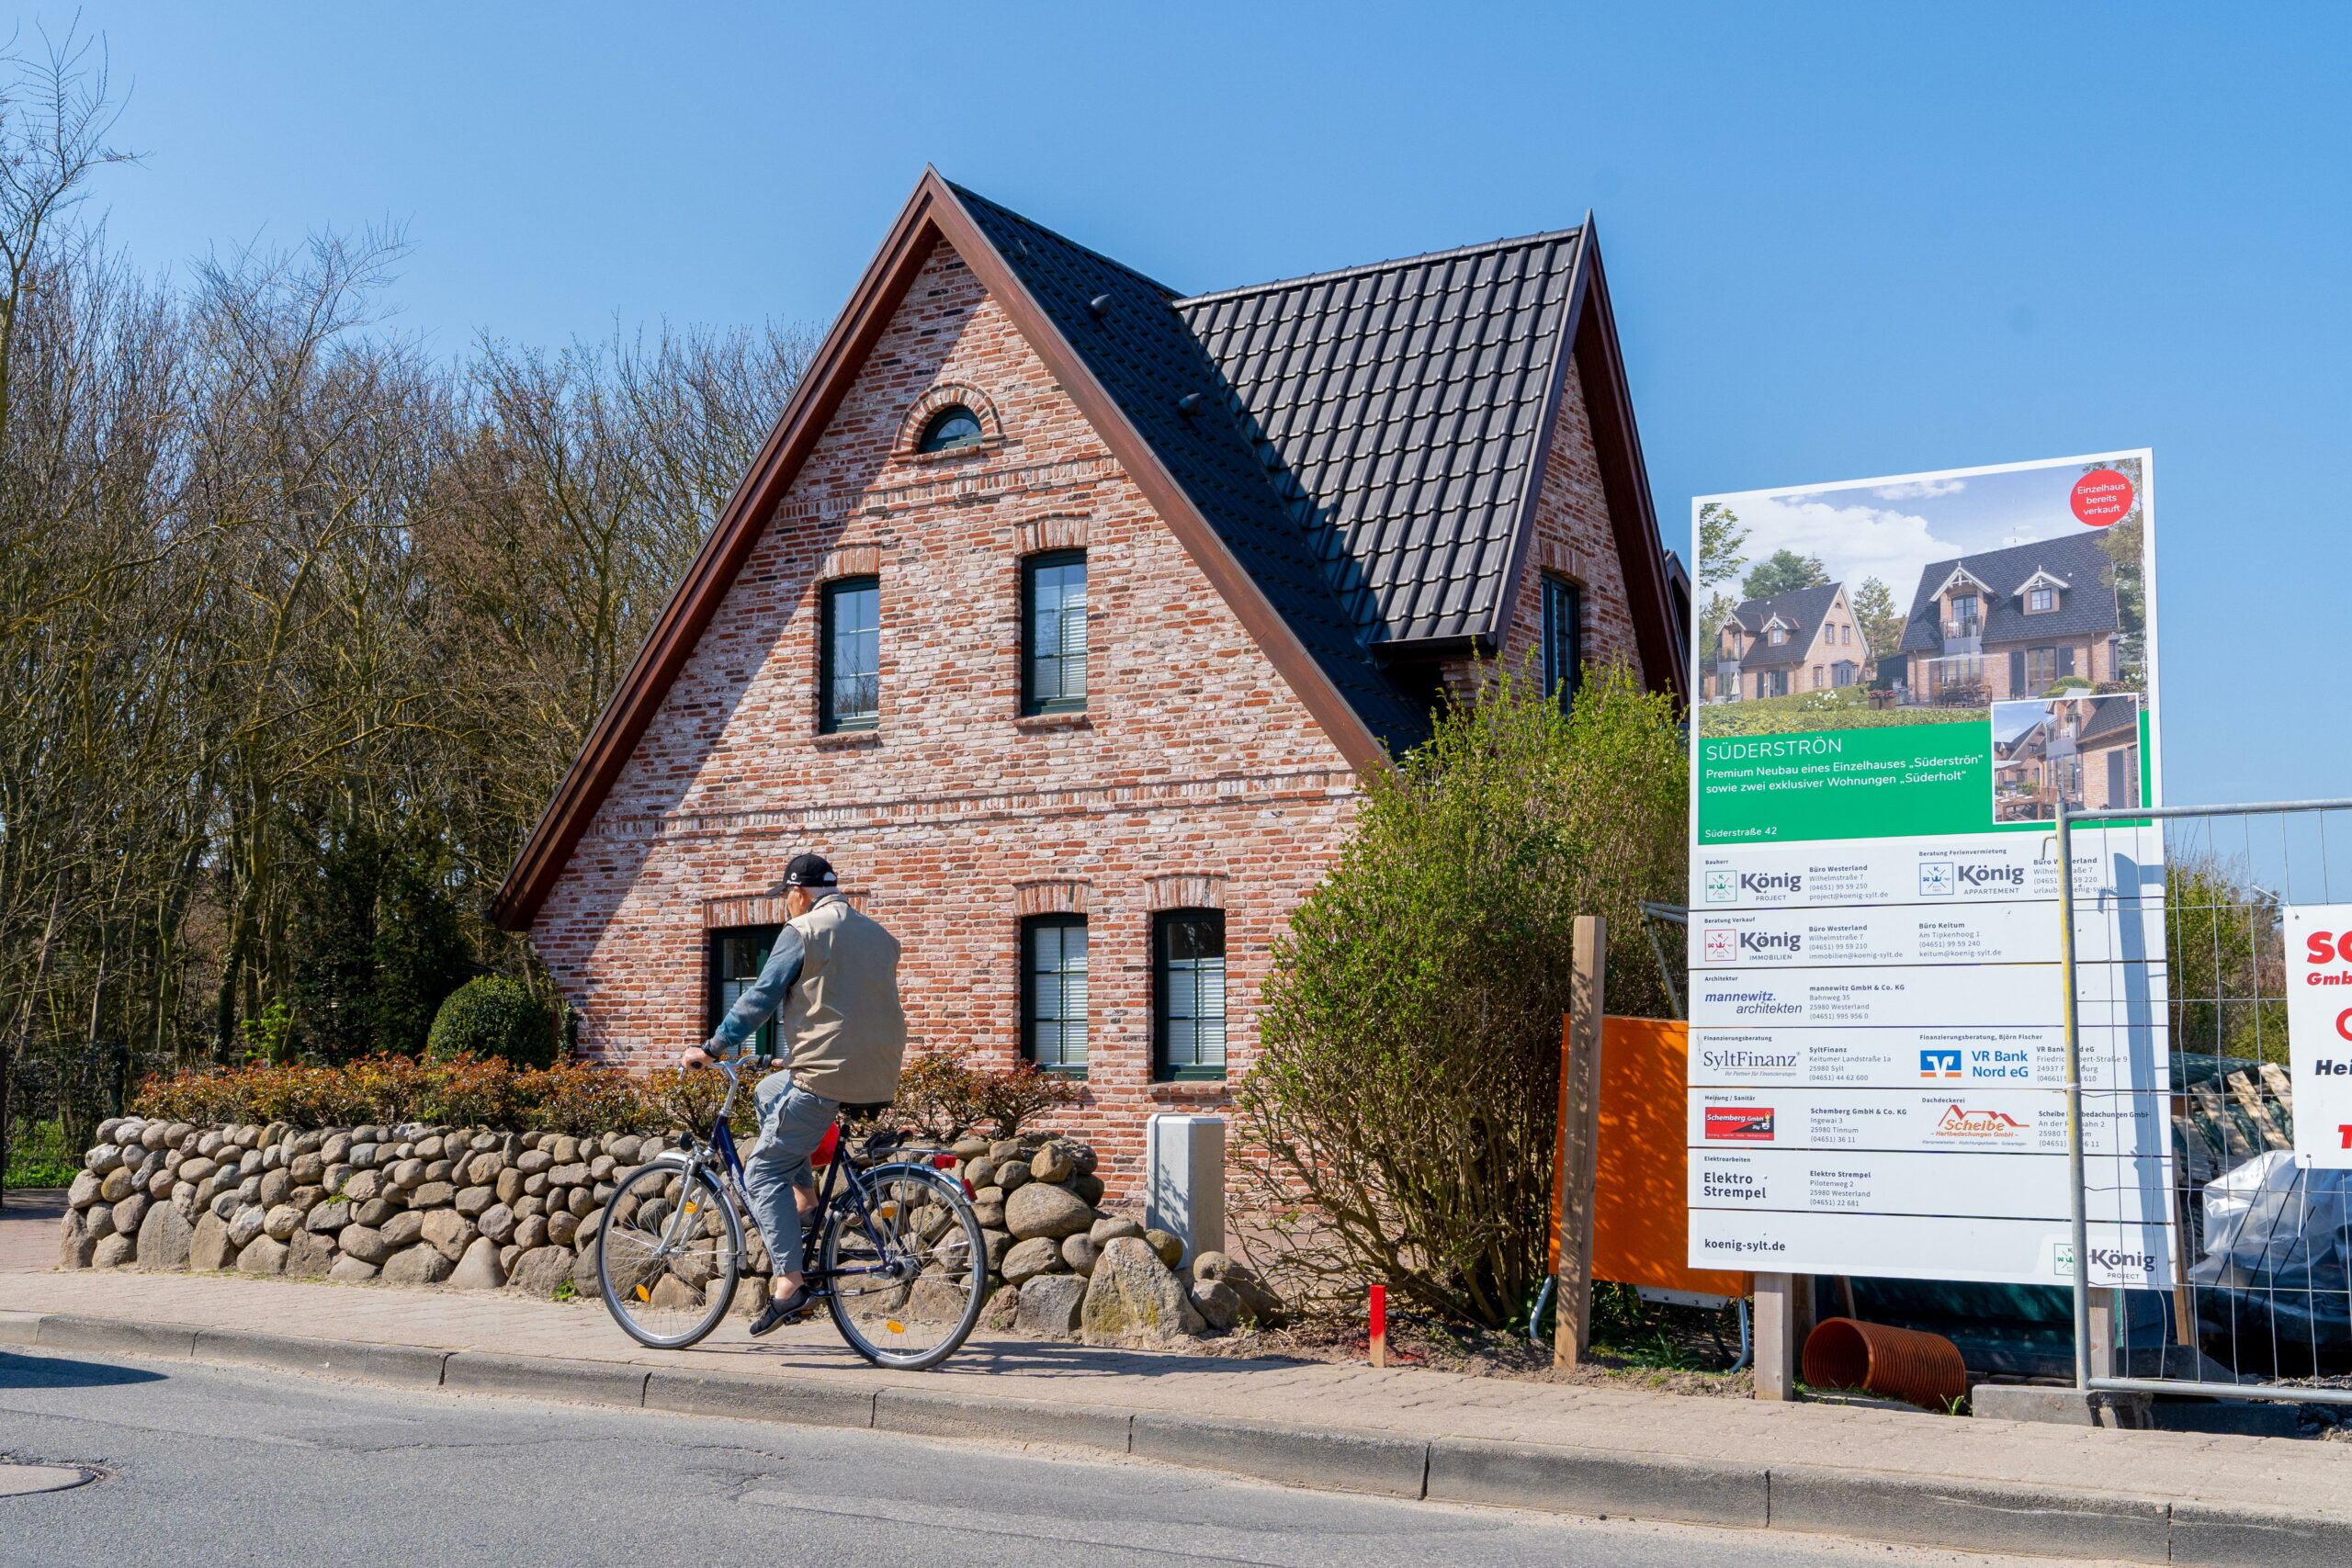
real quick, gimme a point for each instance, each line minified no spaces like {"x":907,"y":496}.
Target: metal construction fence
{"x":2223,"y":1262}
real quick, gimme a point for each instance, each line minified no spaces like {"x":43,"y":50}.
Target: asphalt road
{"x":213,"y":1466}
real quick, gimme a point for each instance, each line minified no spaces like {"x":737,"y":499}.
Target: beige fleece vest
{"x":845,"y":1031}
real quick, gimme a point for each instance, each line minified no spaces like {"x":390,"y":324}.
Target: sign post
{"x":1580,"y":1136}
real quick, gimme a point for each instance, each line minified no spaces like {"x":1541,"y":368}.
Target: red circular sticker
{"x":2101,"y":497}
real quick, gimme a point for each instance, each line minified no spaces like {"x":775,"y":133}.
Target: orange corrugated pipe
{"x":1902,"y":1363}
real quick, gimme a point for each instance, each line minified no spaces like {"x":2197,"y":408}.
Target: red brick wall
{"x":1195,"y":773}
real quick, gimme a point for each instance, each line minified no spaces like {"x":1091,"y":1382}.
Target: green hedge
{"x":492,"y":1016}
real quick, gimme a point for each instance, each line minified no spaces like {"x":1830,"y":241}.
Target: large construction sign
{"x":1899,"y":681}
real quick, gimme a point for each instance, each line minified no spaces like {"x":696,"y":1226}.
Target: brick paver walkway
{"x":2304,"y":1476}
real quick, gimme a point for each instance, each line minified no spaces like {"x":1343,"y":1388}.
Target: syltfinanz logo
{"x":1739,"y":1124}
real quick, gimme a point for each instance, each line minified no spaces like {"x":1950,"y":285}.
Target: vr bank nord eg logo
{"x":1939,"y":1064}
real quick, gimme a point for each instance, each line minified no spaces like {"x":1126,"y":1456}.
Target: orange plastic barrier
{"x":1641,"y":1231}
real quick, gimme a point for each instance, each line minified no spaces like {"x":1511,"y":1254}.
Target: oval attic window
{"x":950,"y":429}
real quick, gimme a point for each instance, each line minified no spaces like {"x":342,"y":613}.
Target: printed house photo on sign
{"x":2083,"y":750}
{"x":1920,"y":601}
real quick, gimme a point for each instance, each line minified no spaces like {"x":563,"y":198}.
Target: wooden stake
{"x":1579,"y":1132}
{"x":1378,"y":1301}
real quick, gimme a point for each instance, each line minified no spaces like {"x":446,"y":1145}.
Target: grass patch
{"x":37,"y":1157}
{"x":1848,"y":708}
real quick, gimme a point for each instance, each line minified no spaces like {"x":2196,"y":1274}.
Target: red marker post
{"x":1378,"y":1303}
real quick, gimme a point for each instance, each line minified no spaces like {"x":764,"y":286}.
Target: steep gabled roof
{"x":2086,"y":606}
{"x":1138,"y":350}
{"x":1801,"y":609}
{"x":2110,"y":714}
{"x":1495,"y":322}
{"x":1401,"y":411}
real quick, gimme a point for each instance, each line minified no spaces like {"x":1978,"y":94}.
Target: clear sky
{"x":1843,"y":240}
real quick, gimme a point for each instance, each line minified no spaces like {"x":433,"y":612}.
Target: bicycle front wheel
{"x":670,"y":1256}
{"x":910,"y":1274}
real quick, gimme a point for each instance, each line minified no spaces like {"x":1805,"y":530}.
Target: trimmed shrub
{"x":1400,"y":1122}
{"x":493,"y":1017}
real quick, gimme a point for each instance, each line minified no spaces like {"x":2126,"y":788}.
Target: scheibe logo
{"x":1992,"y":1125}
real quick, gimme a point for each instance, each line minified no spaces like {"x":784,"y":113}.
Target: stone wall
{"x":471,"y":1208}
{"x":412,"y":1205}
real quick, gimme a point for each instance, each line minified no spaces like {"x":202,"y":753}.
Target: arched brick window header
{"x":761,"y":909}
{"x":949,"y":394}
{"x":1055,"y":533}
{"x":851,"y":560}
{"x":1198,"y":891}
{"x":1050,"y":897}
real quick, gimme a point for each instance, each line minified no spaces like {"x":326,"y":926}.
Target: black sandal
{"x":778,"y":1314}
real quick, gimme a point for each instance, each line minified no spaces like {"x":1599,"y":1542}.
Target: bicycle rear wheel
{"x":670,"y":1256}
{"x":910,"y":1277}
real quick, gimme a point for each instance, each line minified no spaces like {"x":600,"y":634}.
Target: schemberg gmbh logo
{"x":1739,"y":1124}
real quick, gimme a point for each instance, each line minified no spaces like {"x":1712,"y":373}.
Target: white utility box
{"x":1184,"y":1181}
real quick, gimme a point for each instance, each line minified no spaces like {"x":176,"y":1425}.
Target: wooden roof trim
{"x":698,"y":595}
{"x":1523,"y":527}
{"x":1625,"y":482}
{"x":1332,"y":709}
{"x":932,"y":213}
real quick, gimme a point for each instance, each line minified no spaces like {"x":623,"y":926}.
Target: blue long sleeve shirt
{"x":759,"y":1001}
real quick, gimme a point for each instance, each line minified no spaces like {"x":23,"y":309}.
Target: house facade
{"x":1805,"y":640}
{"x":1065,"y":614}
{"x":2011,"y":624}
{"x":2083,"y":750}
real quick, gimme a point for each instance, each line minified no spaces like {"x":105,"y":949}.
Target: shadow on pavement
{"x":65,"y":1371}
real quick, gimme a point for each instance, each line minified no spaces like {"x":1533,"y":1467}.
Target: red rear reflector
{"x":942,"y":1162}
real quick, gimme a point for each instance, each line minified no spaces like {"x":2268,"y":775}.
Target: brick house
{"x":1064,"y":613}
{"x":2011,"y":624}
{"x":1805,"y":640}
{"x":2084,"y":751}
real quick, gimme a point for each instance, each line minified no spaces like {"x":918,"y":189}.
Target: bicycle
{"x":897,"y":1254}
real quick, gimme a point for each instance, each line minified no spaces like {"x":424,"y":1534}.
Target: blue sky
{"x":1843,"y":240}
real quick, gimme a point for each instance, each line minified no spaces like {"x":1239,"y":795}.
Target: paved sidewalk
{"x":2280,"y":1472}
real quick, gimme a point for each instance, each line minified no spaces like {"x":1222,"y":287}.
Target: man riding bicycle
{"x":832,"y":984}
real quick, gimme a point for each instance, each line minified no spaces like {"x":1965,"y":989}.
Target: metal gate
{"x":2255,"y":1297}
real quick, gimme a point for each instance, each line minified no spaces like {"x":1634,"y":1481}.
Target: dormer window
{"x":2039,"y":600}
{"x":1777,"y":636}
{"x":951,"y":430}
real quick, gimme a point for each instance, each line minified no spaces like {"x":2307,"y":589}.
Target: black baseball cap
{"x":809,"y":871}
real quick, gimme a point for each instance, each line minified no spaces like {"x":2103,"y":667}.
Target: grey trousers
{"x":791,"y":1123}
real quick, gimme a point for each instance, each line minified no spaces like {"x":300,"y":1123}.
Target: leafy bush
{"x":493,"y":1016}
{"x":1400,"y":1124}
{"x":389,"y":1090}
{"x":942,"y":1093}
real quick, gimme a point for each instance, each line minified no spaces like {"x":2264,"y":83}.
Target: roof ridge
{"x":1548,"y":237}
{"x":966,"y":193}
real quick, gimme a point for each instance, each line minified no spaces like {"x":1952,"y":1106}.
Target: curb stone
{"x":2240,"y":1536}
{"x":405,"y":1365}
{"x":1331,"y":1459}
{"x":805,"y":1401}
{"x":946,"y":1413}
{"x":1971,"y":1516}
{"x":544,"y":1377}
{"x":1885,"y":1505}
{"x":1601,"y":1480}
